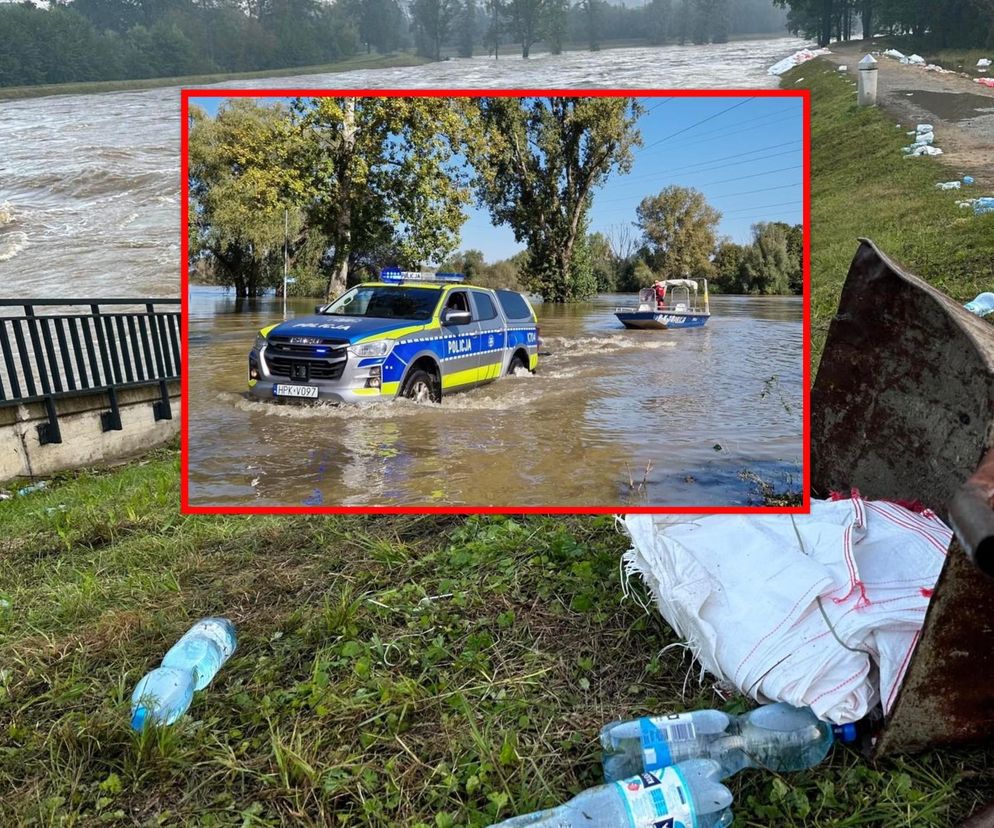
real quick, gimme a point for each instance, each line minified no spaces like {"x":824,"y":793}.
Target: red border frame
{"x":804,"y":94}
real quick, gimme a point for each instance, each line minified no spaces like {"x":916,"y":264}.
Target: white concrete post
{"x":867,"y":92}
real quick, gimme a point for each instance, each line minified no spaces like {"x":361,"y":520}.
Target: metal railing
{"x":57,"y":348}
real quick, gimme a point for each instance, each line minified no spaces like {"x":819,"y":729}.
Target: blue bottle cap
{"x":845,"y":733}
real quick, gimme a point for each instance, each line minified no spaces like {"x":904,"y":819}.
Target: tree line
{"x":101,"y":40}
{"x":941,"y":23}
{"x":336,"y":188}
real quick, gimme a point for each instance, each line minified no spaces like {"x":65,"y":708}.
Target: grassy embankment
{"x":94,"y":87}
{"x":415,"y":671}
{"x":863,"y":186}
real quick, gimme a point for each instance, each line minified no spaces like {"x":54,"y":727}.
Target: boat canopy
{"x":687,"y":283}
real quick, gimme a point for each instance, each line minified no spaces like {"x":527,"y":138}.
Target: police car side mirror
{"x":318,"y":308}
{"x":451,"y":316}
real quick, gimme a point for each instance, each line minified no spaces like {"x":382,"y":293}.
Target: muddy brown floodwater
{"x":704,"y":408}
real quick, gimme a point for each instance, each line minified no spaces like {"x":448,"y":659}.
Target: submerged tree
{"x":382,"y":170}
{"x":538,"y":162}
{"x":245,"y":188}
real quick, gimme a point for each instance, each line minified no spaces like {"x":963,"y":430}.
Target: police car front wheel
{"x":422,"y":387}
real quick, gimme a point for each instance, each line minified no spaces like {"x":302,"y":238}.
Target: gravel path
{"x":961,"y":110}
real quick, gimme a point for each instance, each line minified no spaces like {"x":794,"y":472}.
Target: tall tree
{"x":678,"y":228}
{"x":432,"y":22}
{"x":466,"y":28}
{"x":244,"y":177}
{"x":384,"y":167}
{"x":766,"y":266}
{"x":538,"y":162}
{"x":556,"y":24}
{"x":527,"y":17}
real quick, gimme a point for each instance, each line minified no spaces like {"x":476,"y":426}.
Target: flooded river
{"x":704,"y":409}
{"x":89,"y":184}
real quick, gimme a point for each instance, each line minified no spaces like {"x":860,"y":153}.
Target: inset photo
{"x":495,"y":302}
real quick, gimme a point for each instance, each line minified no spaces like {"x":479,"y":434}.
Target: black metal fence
{"x":54,"y":348}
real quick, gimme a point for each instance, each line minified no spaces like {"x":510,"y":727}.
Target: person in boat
{"x":660,"y":290}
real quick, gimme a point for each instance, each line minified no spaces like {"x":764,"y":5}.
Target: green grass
{"x":863,"y":186}
{"x":403,"y":671}
{"x":94,"y":87}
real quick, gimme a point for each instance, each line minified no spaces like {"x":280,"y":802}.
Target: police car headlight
{"x":377,"y":348}
{"x":260,"y":340}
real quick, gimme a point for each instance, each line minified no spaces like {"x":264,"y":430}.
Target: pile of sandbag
{"x":796,"y":59}
{"x":822,"y":610}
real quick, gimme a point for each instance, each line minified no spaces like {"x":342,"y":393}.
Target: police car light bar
{"x":395,"y":274}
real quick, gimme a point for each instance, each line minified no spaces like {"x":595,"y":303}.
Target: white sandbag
{"x":799,"y":57}
{"x":818,"y":610}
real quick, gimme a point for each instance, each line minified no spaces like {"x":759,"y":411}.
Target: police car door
{"x":460,"y":342}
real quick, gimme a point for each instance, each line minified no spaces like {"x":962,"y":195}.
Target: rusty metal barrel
{"x":903,"y":408}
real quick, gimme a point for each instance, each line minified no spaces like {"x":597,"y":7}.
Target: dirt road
{"x":961,"y":110}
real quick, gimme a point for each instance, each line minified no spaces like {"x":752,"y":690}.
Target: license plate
{"x":306,"y":391}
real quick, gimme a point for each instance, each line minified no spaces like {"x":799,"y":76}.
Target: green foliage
{"x":678,"y":228}
{"x":99,"y":40}
{"x":361,"y":182}
{"x":538,"y":162}
{"x":245,"y":190}
{"x":935,"y":23}
{"x":381,"y":171}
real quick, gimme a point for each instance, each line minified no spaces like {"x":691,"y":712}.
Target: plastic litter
{"x":776,"y":737}
{"x":687,"y":794}
{"x":820,"y":610}
{"x":982,"y":305}
{"x":34,"y":487}
{"x":983,"y":64}
{"x":967,"y":179}
{"x":986,"y":81}
{"x":983,"y":205}
{"x":165,"y":693}
{"x":948,"y":185}
{"x":796,"y":59}
{"x":914,"y":60}
{"x":894,"y":53}
{"x":920,"y":150}
{"x":843,"y":67}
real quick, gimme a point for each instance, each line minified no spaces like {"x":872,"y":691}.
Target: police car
{"x":413,"y":335}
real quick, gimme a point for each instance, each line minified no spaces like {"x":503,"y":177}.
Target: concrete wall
{"x":83,"y":440}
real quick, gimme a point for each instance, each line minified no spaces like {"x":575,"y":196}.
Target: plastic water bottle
{"x":982,"y":305}
{"x":164,"y":694}
{"x":687,"y":794}
{"x":777,"y":737}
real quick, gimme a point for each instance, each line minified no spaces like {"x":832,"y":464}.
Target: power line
{"x":762,"y":207}
{"x":698,"y":123}
{"x":730,"y":157}
{"x":709,"y":183}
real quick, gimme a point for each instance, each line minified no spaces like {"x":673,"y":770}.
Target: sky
{"x":743,"y":152}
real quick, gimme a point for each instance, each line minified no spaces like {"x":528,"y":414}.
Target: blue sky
{"x":744,"y":153}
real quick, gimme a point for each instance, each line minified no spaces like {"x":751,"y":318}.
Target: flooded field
{"x":704,"y":410}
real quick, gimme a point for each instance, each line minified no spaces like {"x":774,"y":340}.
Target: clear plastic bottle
{"x":165,"y":693}
{"x":687,"y":794}
{"x":776,"y":737}
{"x":982,"y":305}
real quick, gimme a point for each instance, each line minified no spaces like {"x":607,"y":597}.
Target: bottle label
{"x":657,"y":733}
{"x":657,"y":800}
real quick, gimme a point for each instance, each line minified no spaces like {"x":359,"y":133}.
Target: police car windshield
{"x":386,"y":302}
